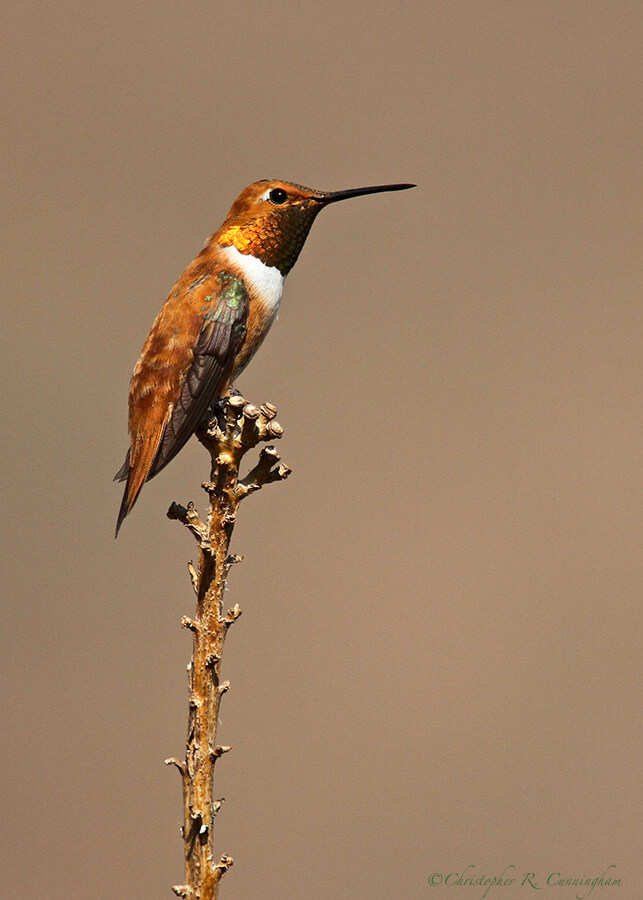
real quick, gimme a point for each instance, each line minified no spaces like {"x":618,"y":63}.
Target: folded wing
{"x":222,"y":334}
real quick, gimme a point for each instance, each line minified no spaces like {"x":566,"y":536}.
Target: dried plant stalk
{"x":240,"y":428}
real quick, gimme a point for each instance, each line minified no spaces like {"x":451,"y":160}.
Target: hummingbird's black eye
{"x":278,"y":195}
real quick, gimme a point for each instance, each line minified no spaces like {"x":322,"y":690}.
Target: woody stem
{"x":245,"y":426}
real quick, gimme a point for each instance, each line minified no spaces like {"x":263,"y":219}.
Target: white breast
{"x":266,"y":281}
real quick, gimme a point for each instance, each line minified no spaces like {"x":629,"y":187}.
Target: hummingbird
{"x":215,"y":319}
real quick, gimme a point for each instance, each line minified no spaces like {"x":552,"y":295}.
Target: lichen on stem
{"x":228,"y":437}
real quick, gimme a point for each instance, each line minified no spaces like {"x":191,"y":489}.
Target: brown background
{"x":437,"y":660}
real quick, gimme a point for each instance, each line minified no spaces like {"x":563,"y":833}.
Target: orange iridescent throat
{"x":276,"y":238}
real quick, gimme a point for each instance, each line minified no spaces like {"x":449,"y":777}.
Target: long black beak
{"x":334,"y":196}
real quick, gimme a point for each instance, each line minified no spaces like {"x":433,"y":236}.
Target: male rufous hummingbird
{"x":215,"y":319}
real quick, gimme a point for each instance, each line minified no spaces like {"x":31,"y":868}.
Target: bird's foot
{"x":216,"y":410}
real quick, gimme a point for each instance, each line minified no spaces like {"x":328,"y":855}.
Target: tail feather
{"x":125,"y":506}
{"x":138,"y":466}
{"x":123,"y":472}
{"x":130,"y":495}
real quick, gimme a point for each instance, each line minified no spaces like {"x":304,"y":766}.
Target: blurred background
{"x":438,"y":659}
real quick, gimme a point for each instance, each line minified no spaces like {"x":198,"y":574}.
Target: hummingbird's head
{"x":271,"y":219}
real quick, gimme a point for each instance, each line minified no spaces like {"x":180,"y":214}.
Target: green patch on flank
{"x":233,"y":290}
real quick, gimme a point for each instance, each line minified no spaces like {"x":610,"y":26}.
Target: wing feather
{"x":222,"y":333}
{"x":221,"y":336}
